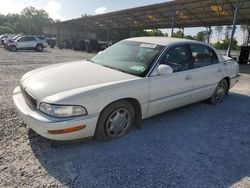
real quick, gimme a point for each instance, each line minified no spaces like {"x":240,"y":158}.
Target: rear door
{"x":30,"y":42}
{"x":171,"y":91}
{"x":207,"y":71}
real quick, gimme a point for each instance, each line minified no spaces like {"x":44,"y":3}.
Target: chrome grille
{"x":28,"y":99}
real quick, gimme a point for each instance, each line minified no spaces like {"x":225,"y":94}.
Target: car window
{"x":22,"y":39}
{"x":30,"y":39}
{"x":41,"y":38}
{"x":201,"y":56}
{"x":132,"y":57}
{"x":214,"y":56}
{"x":179,"y":58}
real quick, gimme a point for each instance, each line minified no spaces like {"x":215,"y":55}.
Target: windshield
{"x":129,"y":56}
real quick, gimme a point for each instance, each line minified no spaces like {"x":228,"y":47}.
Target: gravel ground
{"x":199,"y":145}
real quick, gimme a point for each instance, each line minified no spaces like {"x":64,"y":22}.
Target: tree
{"x":225,"y":43}
{"x":85,"y":15}
{"x":153,"y":32}
{"x":30,"y":21}
{"x":189,"y":37}
{"x":5,"y":29}
{"x":178,"y":34}
{"x":219,"y":30}
{"x":201,"y":36}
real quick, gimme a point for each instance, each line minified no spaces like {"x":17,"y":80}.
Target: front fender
{"x":96,"y":98}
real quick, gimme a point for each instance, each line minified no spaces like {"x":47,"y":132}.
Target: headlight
{"x":62,"y":110}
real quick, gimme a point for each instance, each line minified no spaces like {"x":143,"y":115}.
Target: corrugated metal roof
{"x":189,"y":13}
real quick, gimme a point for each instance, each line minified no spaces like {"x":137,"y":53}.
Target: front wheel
{"x":115,"y":120}
{"x":219,"y":93}
{"x":12,"y":48}
{"x":39,"y":47}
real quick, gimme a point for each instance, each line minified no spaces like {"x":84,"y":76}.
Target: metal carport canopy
{"x":187,"y":13}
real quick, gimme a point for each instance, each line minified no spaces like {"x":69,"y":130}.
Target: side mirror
{"x":164,"y":69}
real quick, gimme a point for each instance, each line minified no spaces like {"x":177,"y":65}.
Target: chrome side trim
{"x":181,"y":93}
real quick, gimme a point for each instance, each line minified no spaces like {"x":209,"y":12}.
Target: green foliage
{"x":189,"y":37}
{"x":29,"y":21}
{"x":201,"y":36}
{"x":153,"y":32}
{"x":178,"y":34}
{"x":85,"y":15}
{"x":225,"y":43}
{"x":5,"y":29}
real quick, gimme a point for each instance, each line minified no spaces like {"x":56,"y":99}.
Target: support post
{"x":233,"y":29}
{"x":59,"y":43}
{"x":50,"y":31}
{"x":209,"y":32}
{"x":107,"y":34}
{"x":173,"y":21}
{"x":131,"y":25}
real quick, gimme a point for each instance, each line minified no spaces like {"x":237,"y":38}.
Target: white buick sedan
{"x":129,"y":81}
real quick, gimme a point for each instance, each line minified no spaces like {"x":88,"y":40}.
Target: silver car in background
{"x":5,"y":37}
{"x":37,"y":43}
{"x":6,"y":42}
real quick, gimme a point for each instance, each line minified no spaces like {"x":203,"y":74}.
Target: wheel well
{"x":137,"y":107}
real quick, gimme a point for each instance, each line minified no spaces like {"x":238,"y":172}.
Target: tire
{"x":12,"y":48}
{"x":115,"y":121}
{"x":39,"y":47}
{"x":219,"y":93}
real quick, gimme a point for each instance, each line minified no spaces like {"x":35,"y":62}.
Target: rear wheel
{"x":219,"y":92}
{"x":115,"y":120}
{"x":39,"y":47}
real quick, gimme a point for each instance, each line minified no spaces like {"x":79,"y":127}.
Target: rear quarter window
{"x":214,"y":56}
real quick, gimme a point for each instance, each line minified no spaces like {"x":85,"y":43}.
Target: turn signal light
{"x":67,"y":130}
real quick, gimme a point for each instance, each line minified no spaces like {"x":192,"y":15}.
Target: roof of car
{"x":163,"y":41}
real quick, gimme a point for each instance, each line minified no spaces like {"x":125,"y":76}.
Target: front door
{"x":171,"y":91}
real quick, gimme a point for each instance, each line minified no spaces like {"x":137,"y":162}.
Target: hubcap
{"x":220,"y":93}
{"x":39,"y":48}
{"x":118,"y":122}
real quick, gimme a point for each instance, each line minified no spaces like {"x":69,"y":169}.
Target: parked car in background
{"x":129,"y":81}
{"x":5,"y":37}
{"x":28,"y":43}
{"x":10,"y":40}
{"x":51,"y":42}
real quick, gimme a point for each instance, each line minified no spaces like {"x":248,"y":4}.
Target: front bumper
{"x":41,"y":123}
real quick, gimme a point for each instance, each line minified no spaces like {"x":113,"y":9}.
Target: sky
{"x":69,"y":9}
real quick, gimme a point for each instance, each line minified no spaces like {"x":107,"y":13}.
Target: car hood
{"x":50,"y":80}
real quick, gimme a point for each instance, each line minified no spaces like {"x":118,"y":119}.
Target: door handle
{"x":188,"y":77}
{"x":219,"y":69}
